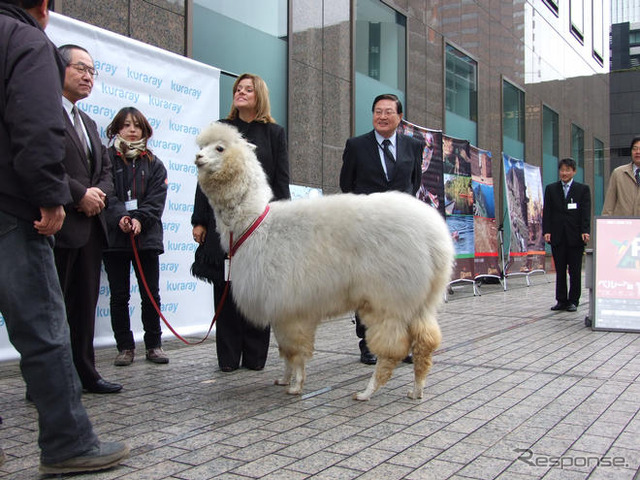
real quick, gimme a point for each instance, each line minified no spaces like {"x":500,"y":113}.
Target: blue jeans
{"x":33,"y":308}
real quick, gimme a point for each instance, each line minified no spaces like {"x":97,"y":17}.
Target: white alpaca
{"x":386,"y":255}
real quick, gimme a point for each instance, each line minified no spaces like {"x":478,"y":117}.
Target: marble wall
{"x":161,"y":23}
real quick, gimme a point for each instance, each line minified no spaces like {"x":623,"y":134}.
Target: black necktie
{"x":638,"y":176}
{"x":389,"y":161}
{"x":77,"y":123}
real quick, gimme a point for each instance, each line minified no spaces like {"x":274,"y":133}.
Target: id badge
{"x":131,"y":204}
{"x":572,"y":206}
{"x":226,"y":269}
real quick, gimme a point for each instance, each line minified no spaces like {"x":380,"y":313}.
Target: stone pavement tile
{"x":285,"y":474}
{"x":152,"y":457}
{"x":462,"y":452}
{"x":316,"y":462}
{"x":399,"y":442}
{"x":435,"y":469}
{"x":351,"y":445}
{"x":595,"y":444}
{"x":386,"y":472}
{"x":305,"y":448}
{"x":208,"y":470}
{"x":248,"y":438}
{"x":254,"y":451}
{"x":564,"y":474}
{"x":263,"y":466}
{"x":484,"y":467}
{"x":442,"y":439}
{"x":613,"y":473}
{"x":199,"y":456}
{"x":366,"y":459}
{"x":337,"y":473}
{"x":415,"y":456}
{"x":340,"y":432}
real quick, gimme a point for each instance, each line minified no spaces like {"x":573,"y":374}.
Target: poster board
{"x":179,"y":97}
{"x":616,"y":283}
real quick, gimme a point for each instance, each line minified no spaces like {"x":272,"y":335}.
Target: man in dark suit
{"x":379,"y":161}
{"x":79,"y":244}
{"x":566,"y":223}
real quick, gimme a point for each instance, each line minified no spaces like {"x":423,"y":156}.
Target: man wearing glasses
{"x":79,"y":244}
{"x":379,"y":161}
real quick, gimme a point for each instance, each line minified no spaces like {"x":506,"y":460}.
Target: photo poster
{"x":484,"y":214}
{"x":523,"y":187}
{"x":459,"y":204}
{"x":535,"y":196}
{"x":515,"y":190}
{"x":616,"y":274}
{"x":179,"y":97}
{"x":431,"y":189}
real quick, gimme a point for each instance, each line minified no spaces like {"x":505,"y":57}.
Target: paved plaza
{"x":517,"y":392}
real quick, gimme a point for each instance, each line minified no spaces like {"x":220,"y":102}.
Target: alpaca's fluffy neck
{"x":236,"y":209}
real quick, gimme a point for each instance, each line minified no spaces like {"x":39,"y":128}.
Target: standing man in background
{"x":623,"y":194}
{"x":566,"y":223}
{"x":379,"y":161}
{"x":83,"y":236}
{"x":32,"y":191}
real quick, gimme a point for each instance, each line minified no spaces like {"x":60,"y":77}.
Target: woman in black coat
{"x":238,"y":342}
{"x":140,"y":181}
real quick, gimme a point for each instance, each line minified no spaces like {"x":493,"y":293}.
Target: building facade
{"x":527,"y":77}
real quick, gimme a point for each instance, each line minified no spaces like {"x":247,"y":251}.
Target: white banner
{"x":179,"y":97}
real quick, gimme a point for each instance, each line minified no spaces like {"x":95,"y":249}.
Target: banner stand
{"x":449,"y":290}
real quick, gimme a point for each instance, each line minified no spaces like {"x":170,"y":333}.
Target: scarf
{"x":130,"y":150}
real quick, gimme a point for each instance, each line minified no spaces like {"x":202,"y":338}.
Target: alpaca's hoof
{"x":280,"y":381}
{"x":361,"y":396}
{"x":294,"y":390}
{"x":413,"y":395}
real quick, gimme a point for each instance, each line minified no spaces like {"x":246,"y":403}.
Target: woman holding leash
{"x":238,"y":342}
{"x":140,"y":181}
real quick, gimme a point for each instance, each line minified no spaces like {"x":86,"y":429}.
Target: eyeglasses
{"x":82,"y":68}
{"x":635,"y":149}
{"x":388,"y":112}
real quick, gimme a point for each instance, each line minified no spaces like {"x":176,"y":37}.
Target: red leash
{"x":155,"y":305}
{"x":233,"y":247}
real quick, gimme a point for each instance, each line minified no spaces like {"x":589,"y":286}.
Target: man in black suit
{"x":566,"y":223}
{"x":79,"y":244}
{"x":379,"y":161}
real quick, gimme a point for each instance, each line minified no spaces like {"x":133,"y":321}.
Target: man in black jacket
{"x":379,"y":161}
{"x":566,"y":223}
{"x":32,"y":191}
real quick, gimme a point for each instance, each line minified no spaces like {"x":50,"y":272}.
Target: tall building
{"x":527,"y":77}
{"x":625,"y":11}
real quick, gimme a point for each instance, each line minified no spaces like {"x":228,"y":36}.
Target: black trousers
{"x":118,"y":267}
{"x":568,"y":258}
{"x":360,"y":332}
{"x":79,"y":274}
{"x":238,"y":341}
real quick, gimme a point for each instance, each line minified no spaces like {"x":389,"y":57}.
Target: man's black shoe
{"x":571,"y":308}
{"x":368,"y":358}
{"x":102,"y":386}
{"x":559,"y":306}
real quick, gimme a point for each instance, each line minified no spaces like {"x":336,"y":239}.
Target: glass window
{"x":380,"y":57}
{"x":244,"y":36}
{"x":461,"y":116}
{"x":577,"y":18}
{"x":577,"y":150}
{"x":598,"y":176}
{"x":512,"y":120}
{"x":550,"y":145}
{"x":598,"y":30}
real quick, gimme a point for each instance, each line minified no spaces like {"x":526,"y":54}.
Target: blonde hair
{"x":263,"y":105}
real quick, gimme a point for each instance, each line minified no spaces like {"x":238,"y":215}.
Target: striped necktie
{"x":77,"y":123}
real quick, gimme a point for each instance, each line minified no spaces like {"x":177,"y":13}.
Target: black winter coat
{"x":145,"y":179}
{"x":271,"y":143}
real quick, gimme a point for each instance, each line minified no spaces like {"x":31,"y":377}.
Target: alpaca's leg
{"x":390,"y":341}
{"x":384,"y":369}
{"x":286,"y":378}
{"x":295,"y":342}
{"x":426,"y":338}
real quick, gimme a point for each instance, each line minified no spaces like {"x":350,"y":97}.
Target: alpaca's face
{"x":221,"y":158}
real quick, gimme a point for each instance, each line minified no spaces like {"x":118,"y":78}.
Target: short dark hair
{"x":65,"y":51}
{"x":634,"y":140}
{"x":118,"y":122}
{"x":388,"y":96}
{"x":568,"y":162}
{"x":27,"y":3}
